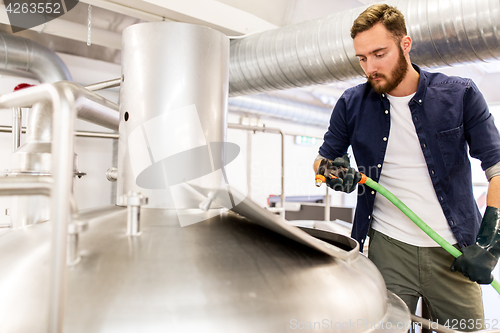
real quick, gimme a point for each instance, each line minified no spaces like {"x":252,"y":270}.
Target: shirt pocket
{"x":452,"y":145}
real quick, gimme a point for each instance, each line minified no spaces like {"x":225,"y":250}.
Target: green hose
{"x":418,"y":221}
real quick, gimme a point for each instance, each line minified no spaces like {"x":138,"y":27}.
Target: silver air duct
{"x":283,"y":108}
{"x":22,"y":54}
{"x":444,"y":32}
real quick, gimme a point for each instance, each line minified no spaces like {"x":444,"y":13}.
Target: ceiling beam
{"x":210,"y":13}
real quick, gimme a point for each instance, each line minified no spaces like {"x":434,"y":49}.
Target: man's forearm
{"x":316,"y":165}
{"x":317,"y":162}
{"x":493,"y":195}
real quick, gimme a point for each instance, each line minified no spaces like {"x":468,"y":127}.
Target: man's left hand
{"x":475,"y":263}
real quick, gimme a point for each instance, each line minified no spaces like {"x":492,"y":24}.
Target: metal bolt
{"x":112,"y":174}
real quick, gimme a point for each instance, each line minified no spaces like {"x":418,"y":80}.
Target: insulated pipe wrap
{"x":444,"y":33}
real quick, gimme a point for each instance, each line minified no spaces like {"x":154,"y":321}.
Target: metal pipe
{"x":84,"y":134}
{"x":327,"y":205}
{"x":74,"y":229}
{"x":104,"y":85}
{"x":134,"y":201}
{"x":282,"y":172}
{"x":282,"y":108}
{"x":25,"y":185}
{"x":72,"y":255}
{"x":270,"y":130}
{"x":94,"y":108}
{"x":17,"y":53}
{"x":66,"y":98}
{"x":133,"y":220}
{"x":16,"y":127}
{"x":102,"y":135}
{"x":62,"y":161}
{"x":62,"y":169}
{"x":444,"y":32}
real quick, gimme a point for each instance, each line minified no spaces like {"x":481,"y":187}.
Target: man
{"x":409,"y":130}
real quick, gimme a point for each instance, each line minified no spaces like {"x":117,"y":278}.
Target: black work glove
{"x":345,"y":178}
{"x":478,"y":260}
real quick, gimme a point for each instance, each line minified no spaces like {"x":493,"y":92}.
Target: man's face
{"x":381,"y":58}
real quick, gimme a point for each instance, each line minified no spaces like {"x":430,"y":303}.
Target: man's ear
{"x":406,"y":44}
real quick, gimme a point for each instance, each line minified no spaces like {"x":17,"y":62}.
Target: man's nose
{"x":370,"y":67}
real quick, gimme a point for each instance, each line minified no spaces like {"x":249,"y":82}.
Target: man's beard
{"x":397,"y":75}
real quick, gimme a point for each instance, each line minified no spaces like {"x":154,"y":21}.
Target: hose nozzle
{"x":320,"y":179}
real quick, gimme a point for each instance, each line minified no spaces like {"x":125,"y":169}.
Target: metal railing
{"x":16,"y":128}
{"x":67,"y":99}
{"x":283,"y":134}
{"x":84,"y":134}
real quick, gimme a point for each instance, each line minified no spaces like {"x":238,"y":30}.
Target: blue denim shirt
{"x":449,"y":114}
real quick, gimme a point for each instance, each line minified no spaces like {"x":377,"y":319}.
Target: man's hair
{"x":389,"y":16}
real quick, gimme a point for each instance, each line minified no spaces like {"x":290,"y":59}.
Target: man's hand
{"x":475,"y":263}
{"x":340,"y":176}
{"x":478,"y":260}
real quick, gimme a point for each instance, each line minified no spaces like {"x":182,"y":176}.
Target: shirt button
{"x":373,"y":192}
{"x":432,"y":171}
{"x":424,"y":145}
{"x":420,"y":101}
{"x":451,"y":222}
{"x":440,"y":198}
{"x":369,"y":217}
{"x":379,"y":165}
{"x":383,"y":95}
{"x":385,"y":139}
{"x":415,"y":118}
{"x":386,"y":111}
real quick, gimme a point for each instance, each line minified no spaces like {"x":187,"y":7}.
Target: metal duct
{"x":273,"y":106}
{"x":22,"y":54}
{"x":444,"y":32}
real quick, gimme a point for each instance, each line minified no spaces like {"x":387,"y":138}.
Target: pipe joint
{"x":74,"y":229}
{"x":133,"y":201}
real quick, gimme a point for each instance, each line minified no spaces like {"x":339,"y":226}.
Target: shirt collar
{"x":422,"y":85}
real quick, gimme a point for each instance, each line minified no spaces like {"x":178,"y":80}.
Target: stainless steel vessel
{"x":173,"y":111}
{"x":226,"y":274}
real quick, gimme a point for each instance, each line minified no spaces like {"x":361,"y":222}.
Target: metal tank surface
{"x":225,"y":274}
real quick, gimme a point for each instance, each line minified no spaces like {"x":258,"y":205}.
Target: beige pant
{"x":412,"y":272}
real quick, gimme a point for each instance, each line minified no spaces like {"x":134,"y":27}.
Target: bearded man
{"x":409,"y":130}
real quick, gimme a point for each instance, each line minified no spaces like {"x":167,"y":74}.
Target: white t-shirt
{"x":405,"y":174}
